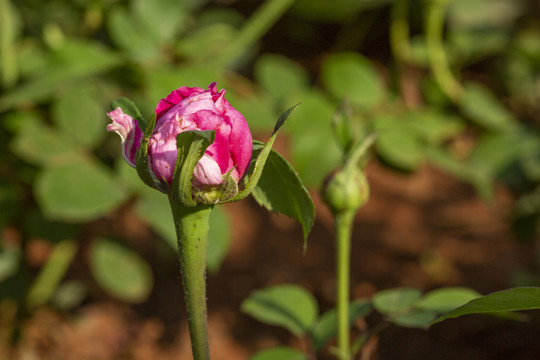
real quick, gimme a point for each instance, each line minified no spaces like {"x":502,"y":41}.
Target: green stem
{"x":257,"y":25}
{"x":192,"y":224}
{"x":438,"y":61}
{"x":343,"y":224}
{"x":399,"y":31}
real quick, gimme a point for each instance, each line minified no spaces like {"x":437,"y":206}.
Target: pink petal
{"x":174,"y":98}
{"x":240,"y":140}
{"x":125,"y":126}
{"x":207,"y":173}
{"x":219,"y":149}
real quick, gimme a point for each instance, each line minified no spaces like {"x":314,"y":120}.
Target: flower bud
{"x":185,"y":109}
{"x":345,"y":190}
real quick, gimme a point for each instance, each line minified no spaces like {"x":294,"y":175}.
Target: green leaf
{"x":120,"y":271}
{"x":52,"y":273}
{"x":282,"y":118}
{"x":79,"y":117}
{"x":256,"y":108}
{"x":310,"y":133}
{"x":128,"y":107}
{"x":475,"y":45}
{"x":191,"y":147}
{"x":206,"y":42}
{"x":163,"y":18}
{"x":446,"y":299}
{"x":262,"y":157}
{"x":288,"y":306}
{"x":352,"y":76}
{"x":482,"y":107}
{"x":77,"y":192}
{"x":39,"y":144}
{"x":515,"y":299}
{"x":326,"y":327}
{"x":395,"y":301}
{"x":467,"y":14}
{"x":279,"y":353}
{"x":433,"y":125}
{"x":280,"y":189}
{"x":494,"y":153}
{"x":280,"y":76}
{"x":69,"y":65}
{"x":416,"y":319}
{"x":218,"y":239}
{"x":399,"y":143}
{"x":130,"y":34}
{"x":154,"y":208}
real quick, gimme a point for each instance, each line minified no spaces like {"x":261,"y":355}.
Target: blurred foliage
{"x":452,"y":83}
{"x":295,"y":309}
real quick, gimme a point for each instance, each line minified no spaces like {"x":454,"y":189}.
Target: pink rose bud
{"x":191,"y":109}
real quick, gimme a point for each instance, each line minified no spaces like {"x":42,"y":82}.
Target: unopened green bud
{"x":345,"y":190}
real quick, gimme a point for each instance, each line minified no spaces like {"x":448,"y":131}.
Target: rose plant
{"x":197,"y":149}
{"x":191,"y":108}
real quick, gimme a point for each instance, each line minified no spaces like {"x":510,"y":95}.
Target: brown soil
{"x":423,"y":230}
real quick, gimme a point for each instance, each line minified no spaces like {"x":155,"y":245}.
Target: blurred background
{"x":88,"y":264}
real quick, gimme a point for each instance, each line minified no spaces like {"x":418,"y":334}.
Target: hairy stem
{"x":343,"y":225}
{"x":192,"y":224}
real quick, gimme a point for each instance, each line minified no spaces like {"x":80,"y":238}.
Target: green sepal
{"x":262,"y":157}
{"x":129,"y":108}
{"x":342,"y":126}
{"x":141,"y":160}
{"x":214,"y":195}
{"x":357,"y":151}
{"x":191,"y":148}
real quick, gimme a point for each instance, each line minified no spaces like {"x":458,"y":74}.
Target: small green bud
{"x":345,"y":190}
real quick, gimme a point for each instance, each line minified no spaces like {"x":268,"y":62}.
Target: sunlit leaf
{"x":79,"y":117}
{"x":395,"y":301}
{"x":514,"y":299}
{"x":280,"y":76}
{"x":415,"y":319}
{"x":77,"y":192}
{"x":280,"y":189}
{"x":446,"y":299}
{"x":131,"y":35}
{"x":69,"y":64}
{"x":482,"y":107}
{"x":312,"y":138}
{"x":288,"y":306}
{"x":163,"y":18}
{"x":352,"y":76}
{"x":42,"y":145}
{"x":120,"y":271}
